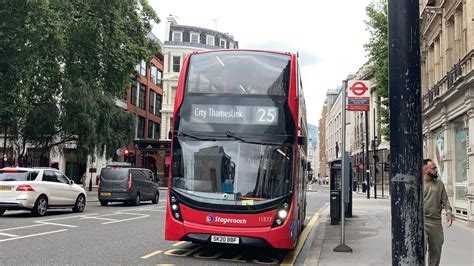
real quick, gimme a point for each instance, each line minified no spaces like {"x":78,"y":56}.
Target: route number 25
{"x":266,"y":116}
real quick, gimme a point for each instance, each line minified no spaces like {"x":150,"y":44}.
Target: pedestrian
{"x":84,"y":180}
{"x":434,"y":200}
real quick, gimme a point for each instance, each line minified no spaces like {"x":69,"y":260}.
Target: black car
{"x":128,"y":185}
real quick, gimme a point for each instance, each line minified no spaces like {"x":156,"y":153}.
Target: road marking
{"x":68,"y":217}
{"x":33,"y":235}
{"x":178,"y":252}
{"x":179,"y":243}
{"x":152,"y":254}
{"x":9,"y":235}
{"x":64,"y":225}
{"x":21,"y":227}
{"x":292,"y":255}
{"x":99,"y":218}
{"x":124,"y":220}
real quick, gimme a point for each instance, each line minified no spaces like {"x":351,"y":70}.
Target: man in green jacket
{"x":434,"y":200}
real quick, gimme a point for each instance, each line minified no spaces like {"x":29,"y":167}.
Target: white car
{"x":38,"y":189}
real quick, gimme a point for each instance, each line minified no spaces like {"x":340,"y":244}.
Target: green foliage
{"x":62,"y":65}
{"x":377,"y":49}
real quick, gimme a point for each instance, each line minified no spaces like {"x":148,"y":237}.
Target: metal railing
{"x":459,"y":70}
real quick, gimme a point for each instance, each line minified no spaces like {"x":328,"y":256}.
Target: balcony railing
{"x":459,"y":70}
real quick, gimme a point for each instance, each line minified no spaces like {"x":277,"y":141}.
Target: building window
{"x":141,"y":127}
{"x":142,"y":96}
{"x":194,"y":37}
{"x":153,"y":74}
{"x":210,"y":40}
{"x":157,"y":104}
{"x":222,"y":44}
{"x":176,"y":63}
{"x":159,"y":77}
{"x":173,"y":94}
{"x":150,"y":129}
{"x":460,"y":158}
{"x":157,"y":131}
{"x":133,"y":98}
{"x":177,"y":36}
{"x":151,"y":102}
{"x":143,"y":68}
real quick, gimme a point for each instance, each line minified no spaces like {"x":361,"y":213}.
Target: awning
{"x":167,"y":160}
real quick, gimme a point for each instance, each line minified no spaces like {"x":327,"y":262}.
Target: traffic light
{"x":126,"y":157}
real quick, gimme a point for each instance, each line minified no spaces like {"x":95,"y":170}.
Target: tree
{"x":63,"y":65}
{"x":377,"y":49}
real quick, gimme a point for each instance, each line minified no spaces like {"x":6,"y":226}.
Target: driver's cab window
{"x":60,"y":178}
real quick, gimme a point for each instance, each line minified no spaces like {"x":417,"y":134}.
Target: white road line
{"x":124,"y":220}
{"x":99,"y":218}
{"x":131,"y":213}
{"x":9,"y":235}
{"x":65,"y":225}
{"x":21,"y":227}
{"x":33,"y":235}
{"x":69,"y":217}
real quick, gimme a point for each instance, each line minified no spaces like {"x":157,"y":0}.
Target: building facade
{"x":180,"y":41}
{"x":447,"y":51}
{"x":323,"y":162}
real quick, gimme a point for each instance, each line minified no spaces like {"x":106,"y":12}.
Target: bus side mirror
{"x":301,"y":140}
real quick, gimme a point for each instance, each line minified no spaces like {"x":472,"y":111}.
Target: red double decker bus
{"x":238,"y":150}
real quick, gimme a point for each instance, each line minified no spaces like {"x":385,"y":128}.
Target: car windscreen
{"x":7,"y":175}
{"x":114,"y":173}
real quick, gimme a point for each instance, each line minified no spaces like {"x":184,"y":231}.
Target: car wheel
{"x":156,"y":198}
{"x":136,"y":201}
{"x":104,"y":203}
{"x":80,"y":204}
{"x":2,"y":212}
{"x":41,"y":205}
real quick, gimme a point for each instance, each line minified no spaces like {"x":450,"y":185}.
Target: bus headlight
{"x":174,"y":204}
{"x":282,"y":214}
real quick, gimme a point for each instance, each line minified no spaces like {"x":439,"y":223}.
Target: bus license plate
{"x":225,"y":239}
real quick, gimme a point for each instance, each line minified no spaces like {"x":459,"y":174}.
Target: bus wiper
{"x":231,"y":135}
{"x":182,"y":134}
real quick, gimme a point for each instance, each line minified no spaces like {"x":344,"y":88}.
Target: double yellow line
{"x":292,"y":255}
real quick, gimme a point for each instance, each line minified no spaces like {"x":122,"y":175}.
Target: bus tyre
{"x":136,"y":201}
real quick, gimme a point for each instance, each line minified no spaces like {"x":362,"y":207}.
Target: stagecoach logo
{"x":210,"y":219}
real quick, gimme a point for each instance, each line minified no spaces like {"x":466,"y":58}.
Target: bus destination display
{"x":234,"y":114}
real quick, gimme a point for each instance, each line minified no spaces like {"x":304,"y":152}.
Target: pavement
{"x":368,"y":233}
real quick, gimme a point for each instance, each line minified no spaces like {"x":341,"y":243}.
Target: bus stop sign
{"x":358,"y":95}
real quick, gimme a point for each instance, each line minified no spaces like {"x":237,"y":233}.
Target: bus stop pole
{"x":406,"y":154}
{"x":342,"y":247}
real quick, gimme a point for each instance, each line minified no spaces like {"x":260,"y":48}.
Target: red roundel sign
{"x":358,"y":88}
{"x":358,"y":95}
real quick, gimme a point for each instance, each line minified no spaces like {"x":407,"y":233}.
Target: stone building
{"x":447,"y":50}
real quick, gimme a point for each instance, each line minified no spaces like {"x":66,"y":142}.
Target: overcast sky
{"x":329,"y":35}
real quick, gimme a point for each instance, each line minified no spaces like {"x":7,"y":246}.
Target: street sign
{"x":358,"y":95}
{"x":119,"y":152}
